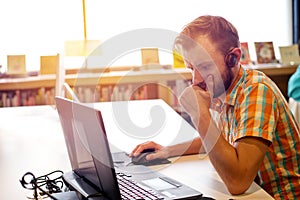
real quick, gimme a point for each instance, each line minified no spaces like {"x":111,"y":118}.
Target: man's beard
{"x":227,"y":78}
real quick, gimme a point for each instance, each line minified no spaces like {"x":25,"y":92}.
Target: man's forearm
{"x":186,"y":148}
{"x":237,"y":165}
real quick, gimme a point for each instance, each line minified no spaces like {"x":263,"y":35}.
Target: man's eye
{"x":202,"y":67}
{"x":199,"y":66}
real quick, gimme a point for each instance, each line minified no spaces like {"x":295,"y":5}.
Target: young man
{"x":255,"y":137}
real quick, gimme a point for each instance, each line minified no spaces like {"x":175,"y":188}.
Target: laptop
{"x":93,"y":171}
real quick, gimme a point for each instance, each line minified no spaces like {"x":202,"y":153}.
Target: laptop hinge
{"x":74,"y":182}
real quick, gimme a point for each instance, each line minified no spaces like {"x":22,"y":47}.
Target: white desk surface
{"x":31,"y":139}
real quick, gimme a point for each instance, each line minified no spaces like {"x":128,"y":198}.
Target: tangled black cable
{"x":54,"y":185}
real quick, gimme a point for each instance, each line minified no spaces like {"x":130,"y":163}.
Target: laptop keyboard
{"x":131,"y":190}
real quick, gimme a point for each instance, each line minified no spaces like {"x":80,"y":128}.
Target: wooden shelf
{"x":160,"y":77}
{"x":276,"y":69}
{"x":27,"y":82}
{"x":123,"y":77}
{"x":90,"y":79}
{"x":114,"y":77}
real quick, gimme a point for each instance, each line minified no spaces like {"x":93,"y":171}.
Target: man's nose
{"x":197,"y":78}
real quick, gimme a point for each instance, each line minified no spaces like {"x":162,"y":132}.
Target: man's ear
{"x":233,"y":57}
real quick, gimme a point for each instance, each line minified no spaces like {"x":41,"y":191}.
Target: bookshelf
{"x":166,"y":84}
{"x":103,"y":86}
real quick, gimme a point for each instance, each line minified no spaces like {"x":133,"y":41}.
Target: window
{"x":36,"y":28}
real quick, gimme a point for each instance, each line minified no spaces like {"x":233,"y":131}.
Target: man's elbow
{"x":238,"y":186}
{"x":237,"y":190}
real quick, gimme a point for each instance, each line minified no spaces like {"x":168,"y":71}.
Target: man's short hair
{"x":218,"y":30}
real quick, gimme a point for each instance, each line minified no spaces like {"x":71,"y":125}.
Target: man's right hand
{"x":196,"y":101}
{"x":159,"y":150}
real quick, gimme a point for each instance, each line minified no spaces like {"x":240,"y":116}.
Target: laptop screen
{"x":81,"y":160}
{"x":88,"y":146}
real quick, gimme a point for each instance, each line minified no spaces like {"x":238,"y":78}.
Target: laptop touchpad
{"x":158,"y":184}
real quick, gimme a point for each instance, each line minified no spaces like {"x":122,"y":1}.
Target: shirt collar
{"x":232,"y":91}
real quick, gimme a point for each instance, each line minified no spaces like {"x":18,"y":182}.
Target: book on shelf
{"x":49,"y":64}
{"x":178,"y":61}
{"x":83,"y":48}
{"x":149,"y":56}
{"x":28,"y":97}
{"x":289,"y":54}
{"x":245,"y":58}
{"x":265,"y":52}
{"x":16,"y":64}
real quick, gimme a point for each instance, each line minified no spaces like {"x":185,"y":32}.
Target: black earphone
{"x":230,"y":59}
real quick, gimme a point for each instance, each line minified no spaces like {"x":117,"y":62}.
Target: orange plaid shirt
{"x":255,"y":107}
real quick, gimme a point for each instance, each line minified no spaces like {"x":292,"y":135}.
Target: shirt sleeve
{"x":257,"y":112}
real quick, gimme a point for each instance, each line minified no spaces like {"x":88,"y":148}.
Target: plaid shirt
{"x":256,"y":107}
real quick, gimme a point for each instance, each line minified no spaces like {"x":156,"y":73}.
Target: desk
{"x":31,"y":139}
